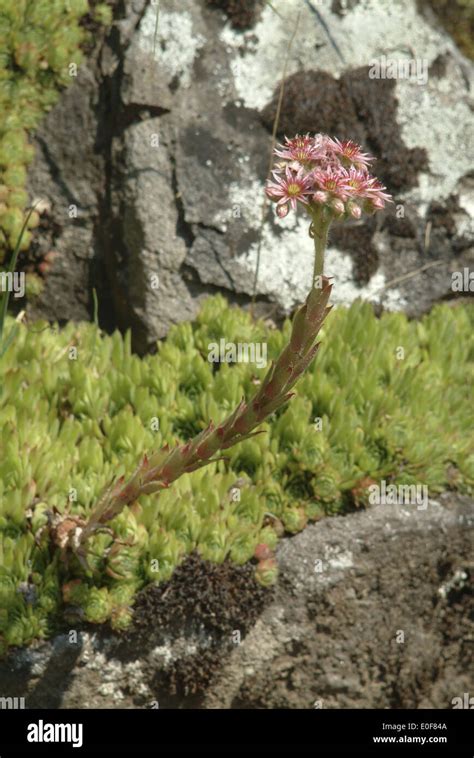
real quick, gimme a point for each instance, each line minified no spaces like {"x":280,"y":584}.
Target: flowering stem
{"x":319,"y":233}
{"x":164,"y":466}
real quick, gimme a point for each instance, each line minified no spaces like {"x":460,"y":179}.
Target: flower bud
{"x":320,"y":197}
{"x":353,"y":209}
{"x":338,"y":206}
{"x":282,"y":210}
{"x":378,"y":203}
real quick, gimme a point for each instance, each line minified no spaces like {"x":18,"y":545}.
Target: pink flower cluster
{"x":323,"y":172}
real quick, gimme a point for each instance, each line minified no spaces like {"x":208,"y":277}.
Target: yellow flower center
{"x":293,"y":189}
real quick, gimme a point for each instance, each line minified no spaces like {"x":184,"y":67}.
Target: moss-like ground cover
{"x":385,"y":399}
{"x":40,"y":51}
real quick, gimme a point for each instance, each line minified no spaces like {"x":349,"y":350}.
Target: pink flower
{"x":376,"y":193}
{"x":289,"y":188}
{"x":303,"y":150}
{"x":349,"y":152}
{"x":357,"y":182}
{"x":332,"y":181}
{"x":321,"y":172}
{"x":361,"y":184}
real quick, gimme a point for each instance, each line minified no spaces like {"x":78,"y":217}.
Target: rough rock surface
{"x":164,"y":145}
{"x":371,"y":610}
{"x":68,"y":176}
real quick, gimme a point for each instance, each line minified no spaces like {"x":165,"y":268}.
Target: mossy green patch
{"x":39,"y":54}
{"x":385,"y":399}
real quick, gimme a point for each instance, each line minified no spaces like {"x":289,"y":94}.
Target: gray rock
{"x":146,"y":278}
{"x":362,"y":618}
{"x":68,"y":174}
{"x":190,"y":209}
{"x":371,"y":610}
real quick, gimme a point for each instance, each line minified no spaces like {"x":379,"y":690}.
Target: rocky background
{"x":151,"y":168}
{"x":152,"y":165}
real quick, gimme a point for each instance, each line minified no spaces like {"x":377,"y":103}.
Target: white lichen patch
{"x":94,"y":660}
{"x":38,"y":667}
{"x":286,"y":266}
{"x":245,"y":199}
{"x":115,"y":675}
{"x":108,"y":690}
{"x":339,"y":559}
{"x":370,"y":29}
{"x":466,"y":201}
{"x":112,"y":670}
{"x":433,"y":112}
{"x":442,"y":123}
{"x":182,"y":647}
{"x":163,"y":653}
{"x":457,"y":582}
{"x":253,"y":68}
{"x":465,"y":219}
{"x":177,"y":42}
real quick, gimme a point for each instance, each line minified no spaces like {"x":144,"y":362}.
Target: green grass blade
{"x":8,"y":341}
{"x":6,"y":295}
